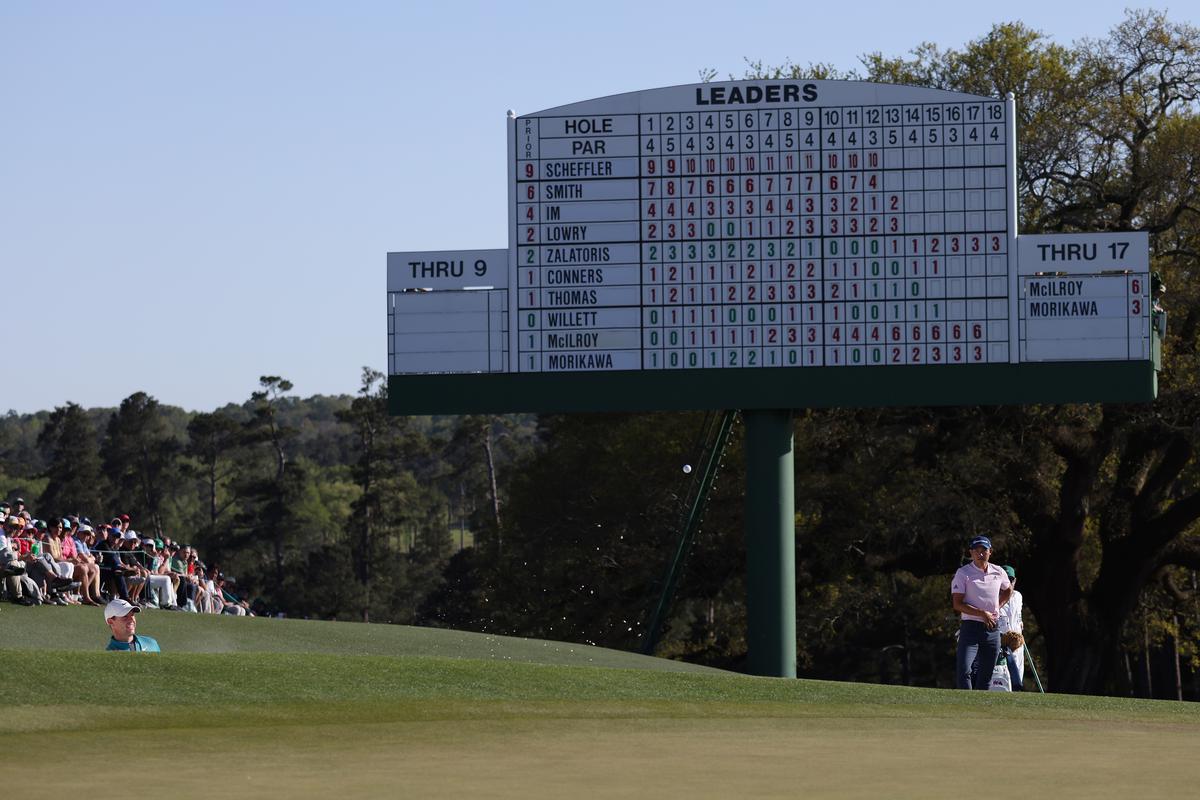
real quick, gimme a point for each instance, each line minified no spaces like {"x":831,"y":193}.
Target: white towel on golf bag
{"x":1001,"y":681}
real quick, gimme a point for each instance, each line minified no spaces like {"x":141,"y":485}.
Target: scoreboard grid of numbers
{"x":848,"y":224}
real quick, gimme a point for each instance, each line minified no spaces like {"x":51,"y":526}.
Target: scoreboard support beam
{"x":770,"y":543}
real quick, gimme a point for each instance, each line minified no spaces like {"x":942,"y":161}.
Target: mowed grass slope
{"x":380,"y":716}
{"x":83,"y":628}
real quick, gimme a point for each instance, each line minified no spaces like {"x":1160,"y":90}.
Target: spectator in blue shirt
{"x":113,"y":569}
{"x":121,"y":617}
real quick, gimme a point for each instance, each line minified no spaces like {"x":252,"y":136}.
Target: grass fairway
{"x":289,"y":708}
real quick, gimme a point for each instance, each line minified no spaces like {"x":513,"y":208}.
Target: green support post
{"x":770,"y":544}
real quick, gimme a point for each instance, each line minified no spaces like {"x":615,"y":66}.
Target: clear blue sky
{"x":194,"y":194}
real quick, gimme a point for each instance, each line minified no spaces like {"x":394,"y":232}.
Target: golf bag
{"x":1001,"y":680}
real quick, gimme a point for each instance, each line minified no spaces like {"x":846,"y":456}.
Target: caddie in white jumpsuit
{"x":1010,"y":620}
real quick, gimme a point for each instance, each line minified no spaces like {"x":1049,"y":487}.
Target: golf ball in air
{"x":687,"y":468}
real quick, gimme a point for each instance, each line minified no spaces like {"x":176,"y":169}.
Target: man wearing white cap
{"x":121,"y":617}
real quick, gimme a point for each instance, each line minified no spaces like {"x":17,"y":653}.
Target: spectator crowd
{"x":69,"y":560}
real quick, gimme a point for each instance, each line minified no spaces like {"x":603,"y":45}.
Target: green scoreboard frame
{"x":792,"y":243}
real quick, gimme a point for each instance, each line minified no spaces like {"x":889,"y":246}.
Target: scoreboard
{"x":844,"y":224}
{"x":769,"y":243}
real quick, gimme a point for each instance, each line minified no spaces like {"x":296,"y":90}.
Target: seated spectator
{"x":18,"y":540}
{"x":112,"y":568}
{"x":158,"y":576}
{"x":131,"y":565}
{"x":53,"y":542}
{"x":196,"y":572}
{"x":41,"y":569}
{"x":216,"y":601}
{"x":186,"y":584}
{"x":84,"y":571}
{"x":52,"y":536}
{"x":22,"y":541}
{"x":83,"y":538}
{"x":233,"y":606}
{"x":164,"y":568}
{"x":12,"y":569}
{"x":12,"y":526}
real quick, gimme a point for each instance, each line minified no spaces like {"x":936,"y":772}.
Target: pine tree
{"x":389,"y":493}
{"x":69,"y":444}
{"x":141,"y":460}
{"x":214,"y":441}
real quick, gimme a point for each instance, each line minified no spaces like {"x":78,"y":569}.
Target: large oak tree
{"x":1102,"y":498}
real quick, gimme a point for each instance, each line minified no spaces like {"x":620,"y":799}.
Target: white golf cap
{"x":120,"y":608}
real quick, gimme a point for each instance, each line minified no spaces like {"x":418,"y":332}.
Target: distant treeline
{"x":324,"y":506}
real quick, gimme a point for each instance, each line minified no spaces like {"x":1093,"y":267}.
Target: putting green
{"x":601,"y":749}
{"x":289,"y":723}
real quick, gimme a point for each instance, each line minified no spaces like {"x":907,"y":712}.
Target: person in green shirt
{"x":177,"y":563}
{"x":121,"y":617}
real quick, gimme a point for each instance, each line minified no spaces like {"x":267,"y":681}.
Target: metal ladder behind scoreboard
{"x":709,"y":450}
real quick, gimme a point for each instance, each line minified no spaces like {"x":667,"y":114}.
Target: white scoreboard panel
{"x":1084,"y":296}
{"x":764,"y":225}
{"x":447,"y":311}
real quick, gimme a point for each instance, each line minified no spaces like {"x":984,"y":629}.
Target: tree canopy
{"x":1098,"y":504}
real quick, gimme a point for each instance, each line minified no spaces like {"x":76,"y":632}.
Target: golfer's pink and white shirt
{"x":980,"y":589}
